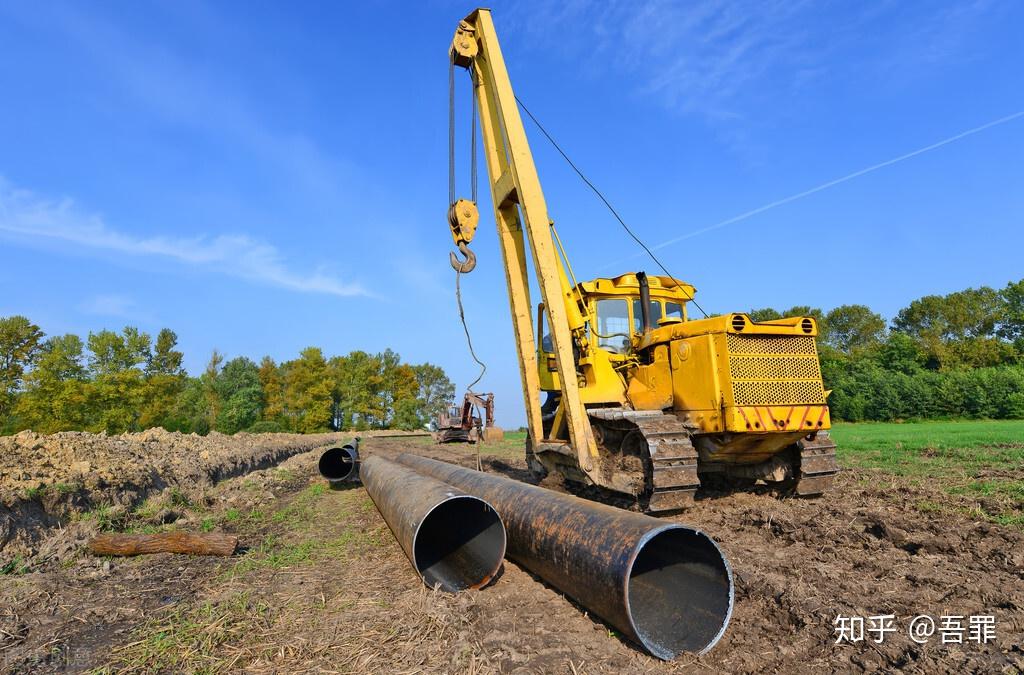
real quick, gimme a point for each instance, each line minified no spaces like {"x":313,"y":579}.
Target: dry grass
{"x":326,"y":589}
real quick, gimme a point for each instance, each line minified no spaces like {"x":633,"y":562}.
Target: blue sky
{"x":265,"y":176}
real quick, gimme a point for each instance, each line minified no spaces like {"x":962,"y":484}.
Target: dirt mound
{"x":48,"y":482}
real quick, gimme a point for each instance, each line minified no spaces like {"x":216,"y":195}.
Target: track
{"x":671,"y":468}
{"x":818,"y":466}
{"x":670,"y":475}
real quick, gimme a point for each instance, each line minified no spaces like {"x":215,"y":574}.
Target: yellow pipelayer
{"x":657,"y":402}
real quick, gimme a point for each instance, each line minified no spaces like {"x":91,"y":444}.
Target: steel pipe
{"x":666,"y":586}
{"x":340,"y":464}
{"x":453,"y":540}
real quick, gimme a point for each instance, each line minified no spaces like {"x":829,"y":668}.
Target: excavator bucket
{"x":493,"y":434}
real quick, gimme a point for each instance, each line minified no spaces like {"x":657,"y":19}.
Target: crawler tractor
{"x":639,"y":399}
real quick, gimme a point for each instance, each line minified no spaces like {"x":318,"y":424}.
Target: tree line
{"x":126,"y":381}
{"x":955,"y":355}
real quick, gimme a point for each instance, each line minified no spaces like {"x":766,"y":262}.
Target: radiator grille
{"x":774,"y":370}
{"x":771,"y":344}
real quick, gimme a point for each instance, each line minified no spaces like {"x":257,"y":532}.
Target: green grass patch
{"x":512,"y":446}
{"x":14,"y":567}
{"x":103,"y":515}
{"x":187,"y":639}
{"x":978,"y":460}
{"x":243,"y":520}
{"x":854,"y":439}
{"x":147,"y":509}
{"x":35,"y":494}
{"x":299,"y":546}
{"x":1010,"y":489}
{"x":298,"y":514}
{"x":178,"y":498}
{"x":931,"y":449}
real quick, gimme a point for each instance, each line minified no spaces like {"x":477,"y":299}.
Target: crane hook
{"x":468,"y":265}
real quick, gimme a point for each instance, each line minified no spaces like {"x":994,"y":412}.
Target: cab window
{"x":638,"y":317}
{"x":673,"y":310}
{"x":613,"y":325}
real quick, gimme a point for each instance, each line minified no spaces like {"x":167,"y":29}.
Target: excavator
{"x":641,"y":401}
{"x":468,"y":423}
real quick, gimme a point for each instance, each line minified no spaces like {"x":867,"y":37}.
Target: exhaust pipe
{"x":452,"y":539}
{"x":340,"y":464}
{"x":665,"y":586}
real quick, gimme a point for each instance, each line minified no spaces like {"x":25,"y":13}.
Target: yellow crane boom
{"x":515,"y":186}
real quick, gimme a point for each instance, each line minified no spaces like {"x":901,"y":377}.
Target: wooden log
{"x":207,"y":543}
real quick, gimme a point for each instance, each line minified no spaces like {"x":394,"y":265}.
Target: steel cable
{"x":603,"y":199}
{"x":451,"y":200}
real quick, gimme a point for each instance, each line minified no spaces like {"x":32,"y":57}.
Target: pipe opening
{"x":337,"y":464}
{"x":459,"y":544}
{"x":679,"y":595}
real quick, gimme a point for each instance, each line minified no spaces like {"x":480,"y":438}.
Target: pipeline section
{"x":666,"y":586}
{"x":453,"y":540}
{"x":341,"y":464}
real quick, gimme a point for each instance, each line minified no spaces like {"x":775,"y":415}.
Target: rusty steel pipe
{"x":665,"y":586}
{"x":340,"y":464}
{"x":452,"y":539}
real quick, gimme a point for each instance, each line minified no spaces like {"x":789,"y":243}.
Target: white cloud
{"x":726,"y":60}
{"x":25,"y":214}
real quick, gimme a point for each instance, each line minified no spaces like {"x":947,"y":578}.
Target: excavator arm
{"x":522,"y":216}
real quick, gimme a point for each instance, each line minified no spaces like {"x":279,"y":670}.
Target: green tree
{"x":435,"y":390}
{"x":956,"y":330}
{"x":853,"y":327}
{"x":118,"y":399}
{"x":110,"y":352}
{"x":210,"y":392}
{"x":57,"y":393}
{"x":1012,"y":326}
{"x":118,"y":392}
{"x":165,"y":360}
{"x":20,"y":340}
{"x":398,"y":383}
{"x":900,"y":353}
{"x":764,"y":314}
{"x":309,"y":392}
{"x":165,"y":380}
{"x":190,"y":413}
{"x":272,"y":384}
{"x":407,"y":415}
{"x":357,"y":385}
{"x":238,"y":387}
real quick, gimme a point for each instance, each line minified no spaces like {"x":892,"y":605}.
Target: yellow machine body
{"x":722,"y":374}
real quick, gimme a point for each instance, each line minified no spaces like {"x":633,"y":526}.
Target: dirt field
{"x":322,"y":585}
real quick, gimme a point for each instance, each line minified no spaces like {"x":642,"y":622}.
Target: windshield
{"x":613,"y":325}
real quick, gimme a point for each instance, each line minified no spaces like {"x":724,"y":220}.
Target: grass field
{"x":978,"y":463}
